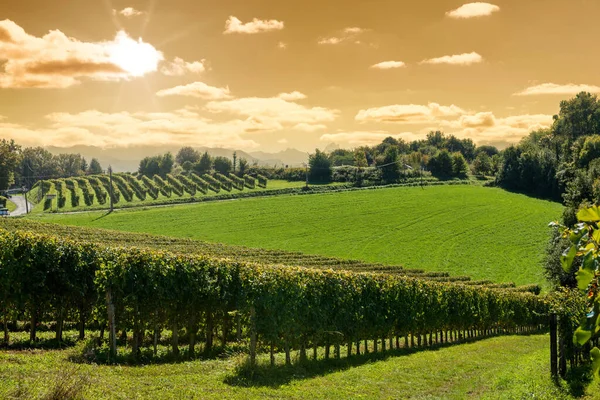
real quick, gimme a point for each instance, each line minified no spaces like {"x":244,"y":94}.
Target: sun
{"x":134,"y":57}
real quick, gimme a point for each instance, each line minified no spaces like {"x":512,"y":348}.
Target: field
{"x":484,"y":233}
{"x":514,"y":367}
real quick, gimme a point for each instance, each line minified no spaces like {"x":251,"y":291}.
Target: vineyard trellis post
{"x":553,"y":345}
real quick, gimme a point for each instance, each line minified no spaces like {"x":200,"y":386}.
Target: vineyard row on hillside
{"x":240,"y":253}
{"x":126,"y":188}
{"x":50,"y":279}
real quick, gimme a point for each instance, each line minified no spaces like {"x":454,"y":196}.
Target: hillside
{"x":484,"y":233}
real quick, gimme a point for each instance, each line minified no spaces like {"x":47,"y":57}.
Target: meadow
{"x":481,"y":232}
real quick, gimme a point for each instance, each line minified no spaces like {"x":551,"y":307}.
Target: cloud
{"x":473,"y":10}
{"x":553,"y":88}
{"x":309,"y":128}
{"x":128,"y":12}
{"x":408,"y":113}
{"x":389,"y":65}
{"x":486,"y":128}
{"x":347,"y":34}
{"x":234,"y":25}
{"x":457,"y":59}
{"x":282,"y":45}
{"x":295,"y":95}
{"x":58,"y":61}
{"x":362,"y":138}
{"x":179,"y":67}
{"x":197,"y":89}
{"x":275,"y":113}
{"x":124,"y":129}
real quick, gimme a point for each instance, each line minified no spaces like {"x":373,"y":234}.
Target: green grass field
{"x":513,"y":367}
{"x":485,"y":233}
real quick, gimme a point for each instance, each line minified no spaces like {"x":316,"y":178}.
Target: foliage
{"x":204,"y":165}
{"x":9,"y":159}
{"x":482,"y":164}
{"x":223,"y":165}
{"x":187,"y":154}
{"x":390,"y":170}
{"x":49,"y":276}
{"x":441,"y":165}
{"x":460,"y":168}
{"x":319,"y":167}
{"x":94,"y":168}
{"x":585,"y":247}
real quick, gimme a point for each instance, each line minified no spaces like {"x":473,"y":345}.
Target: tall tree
{"x":390,"y":168}
{"x":94,"y":167}
{"x":187,"y":154}
{"x":319,"y":167}
{"x":165,"y":165}
{"x":10,"y":156}
{"x":243,"y":168}
{"x":204,"y":165}
{"x":223,"y":165}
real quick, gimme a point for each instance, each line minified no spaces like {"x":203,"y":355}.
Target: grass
{"x":485,"y":233}
{"x":496,"y":368}
{"x":11,"y":206}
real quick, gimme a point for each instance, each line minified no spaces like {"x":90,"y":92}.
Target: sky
{"x":274,"y":74}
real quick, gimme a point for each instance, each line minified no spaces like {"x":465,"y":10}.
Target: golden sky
{"x":272,"y":74}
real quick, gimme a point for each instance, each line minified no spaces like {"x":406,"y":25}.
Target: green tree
{"x":482,"y":164}
{"x":441,"y":164}
{"x":460,"y":168}
{"x":204,"y":165}
{"x":234,"y":161}
{"x":319,"y":167}
{"x":243,"y":167}
{"x":223,"y":165}
{"x":165,"y":165}
{"x":94,"y":167}
{"x":10,"y":156}
{"x":390,"y":168}
{"x":187,"y":166}
{"x":187,"y":154}
{"x":590,"y":150}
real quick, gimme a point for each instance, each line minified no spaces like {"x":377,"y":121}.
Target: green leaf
{"x":581,"y":336}
{"x":596,"y":235}
{"x":595,"y":354}
{"x":583,"y":278}
{"x":591,"y":214}
{"x":567,"y":257}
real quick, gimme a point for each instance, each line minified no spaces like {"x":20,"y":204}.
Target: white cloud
{"x":389,"y":65}
{"x":58,"y":61}
{"x":282,"y":45}
{"x":282,"y":141}
{"x":129,"y":12}
{"x":274,"y":112}
{"x":293,"y":96}
{"x":124,"y":129}
{"x":553,"y":88}
{"x":456,"y":59}
{"x":347,"y":34}
{"x":179,"y":67}
{"x":197,"y":89}
{"x":234,"y":25}
{"x":409,"y":113}
{"x":472,"y":10}
{"x":309,"y":127}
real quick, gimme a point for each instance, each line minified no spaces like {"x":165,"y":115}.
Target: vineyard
{"x":140,"y":292}
{"x":94,"y":191}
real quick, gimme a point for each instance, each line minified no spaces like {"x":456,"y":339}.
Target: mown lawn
{"x":485,"y":233}
{"x":513,"y":367}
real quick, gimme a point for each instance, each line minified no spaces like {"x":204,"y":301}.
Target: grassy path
{"x":496,"y":368}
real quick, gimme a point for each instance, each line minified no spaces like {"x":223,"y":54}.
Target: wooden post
{"x":553,"y":346}
{"x":112,"y":336}
{"x":252,"y":337}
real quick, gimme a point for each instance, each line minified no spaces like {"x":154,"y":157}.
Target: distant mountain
{"x":124,"y":159}
{"x":290,"y":157}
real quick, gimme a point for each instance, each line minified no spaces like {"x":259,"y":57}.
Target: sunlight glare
{"x":135,"y":57}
